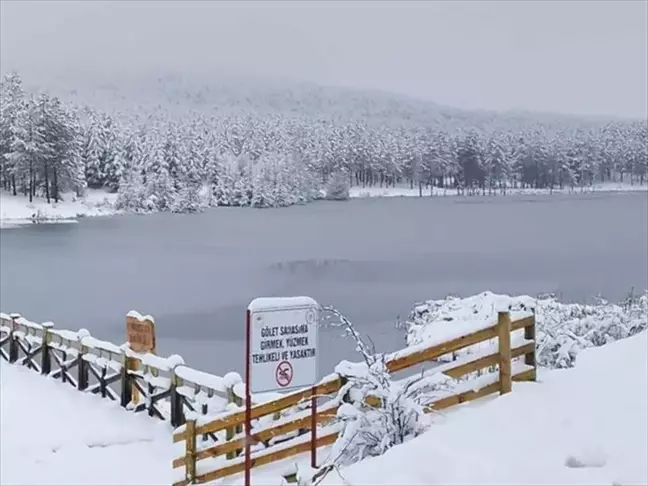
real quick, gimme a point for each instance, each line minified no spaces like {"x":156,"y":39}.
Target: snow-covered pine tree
{"x":188,"y":184}
{"x":12,"y":106}
{"x":92,"y":149}
{"x":131,"y":195}
{"x":111,"y":159}
{"x":160,"y":190}
{"x":64,"y":163}
{"x":29,"y":149}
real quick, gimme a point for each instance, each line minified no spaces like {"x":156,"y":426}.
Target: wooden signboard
{"x":141,"y":333}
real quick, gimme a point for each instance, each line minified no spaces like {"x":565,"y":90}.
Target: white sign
{"x":283,"y":343}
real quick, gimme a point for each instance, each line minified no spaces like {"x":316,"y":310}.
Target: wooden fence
{"x":168,"y":389}
{"x":212,"y":449}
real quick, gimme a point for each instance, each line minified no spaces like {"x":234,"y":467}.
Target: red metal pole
{"x":248,"y":401}
{"x":314,"y":427}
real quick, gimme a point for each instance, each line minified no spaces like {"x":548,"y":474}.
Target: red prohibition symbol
{"x":284,"y":374}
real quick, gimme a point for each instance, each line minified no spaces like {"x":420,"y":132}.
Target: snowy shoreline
{"x":16,"y":211}
{"x":364,"y":192}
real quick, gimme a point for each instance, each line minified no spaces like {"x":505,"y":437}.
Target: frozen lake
{"x":370,"y":258}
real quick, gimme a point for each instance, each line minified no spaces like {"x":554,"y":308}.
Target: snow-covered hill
{"x":230,"y":95}
{"x":268,"y":144}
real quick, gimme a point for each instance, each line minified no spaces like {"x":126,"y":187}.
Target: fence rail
{"x":169,"y":389}
{"x":207,"y":411}
{"x":281,"y":427}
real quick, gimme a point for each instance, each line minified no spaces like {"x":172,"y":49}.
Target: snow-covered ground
{"x":584,"y":425}
{"x":587,"y":425}
{"x":51,"y":434}
{"x":17,"y":210}
{"x":406,"y":191}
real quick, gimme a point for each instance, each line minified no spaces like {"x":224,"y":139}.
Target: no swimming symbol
{"x":284,"y":374}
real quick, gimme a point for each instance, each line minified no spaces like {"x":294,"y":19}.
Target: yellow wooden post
{"x":231,"y":380}
{"x":504,"y":345}
{"x":190,"y":451}
{"x":230,"y":432}
{"x":530,"y":358}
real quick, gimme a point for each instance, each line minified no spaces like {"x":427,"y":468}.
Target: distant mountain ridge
{"x":181,"y":95}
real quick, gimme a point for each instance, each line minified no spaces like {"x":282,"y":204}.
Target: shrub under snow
{"x":562,"y":330}
{"x":368,"y":431}
{"x":338,"y":187}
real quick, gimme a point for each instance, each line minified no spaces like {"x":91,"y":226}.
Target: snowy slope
{"x":52,"y":434}
{"x":586,"y":425}
{"x":180,"y":94}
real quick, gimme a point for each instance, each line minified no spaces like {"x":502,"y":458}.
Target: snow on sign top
{"x":278,"y":303}
{"x":283,"y":336}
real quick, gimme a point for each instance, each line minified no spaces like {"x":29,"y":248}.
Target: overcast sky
{"x":586,"y":57}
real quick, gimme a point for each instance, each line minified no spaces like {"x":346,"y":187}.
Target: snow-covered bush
{"x":565,"y":329}
{"x":377,"y":412}
{"x":395,"y":416}
{"x":562,"y":329}
{"x":338,"y":187}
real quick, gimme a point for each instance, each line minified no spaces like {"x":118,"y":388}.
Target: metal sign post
{"x":248,"y":400}
{"x":281,"y":353}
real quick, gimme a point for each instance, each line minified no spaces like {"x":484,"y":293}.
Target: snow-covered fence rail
{"x":167,"y":387}
{"x":212,"y":447}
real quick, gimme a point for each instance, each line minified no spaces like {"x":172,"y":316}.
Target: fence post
{"x":150,"y":389}
{"x":232,"y":431}
{"x":190,"y":451}
{"x":231,"y":380}
{"x":504,"y":345}
{"x":126,"y":394}
{"x":83,"y":371}
{"x":530,"y":335}
{"x":204,"y":409}
{"x":83,"y":367}
{"x":13,"y":340}
{"x":46,"y":359}
{"x":177,"y":412}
